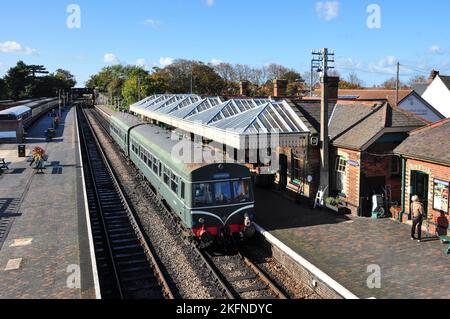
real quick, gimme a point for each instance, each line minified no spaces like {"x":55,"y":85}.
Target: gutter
{"x":403,"y":189}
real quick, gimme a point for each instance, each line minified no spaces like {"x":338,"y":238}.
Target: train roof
{"x":174,"y":148}
{"x":15,"y":111}
{"x":34,"y":104}
{"x":162,"y":143}
{"x":126,"y":120}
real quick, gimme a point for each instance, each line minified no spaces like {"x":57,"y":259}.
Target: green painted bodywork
{"x":159,"y":143}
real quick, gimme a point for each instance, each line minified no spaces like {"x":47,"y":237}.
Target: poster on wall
{"x":441,"y":196}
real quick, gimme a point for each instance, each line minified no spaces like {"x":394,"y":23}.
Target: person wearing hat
{"x":418,"y":212}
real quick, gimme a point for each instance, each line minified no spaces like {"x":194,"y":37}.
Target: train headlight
{"x":247,"y":220}
{"x":201,"y":221}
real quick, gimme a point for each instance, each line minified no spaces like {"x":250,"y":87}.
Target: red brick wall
{"x":353,"y":179}
{"x":369,"y":166}
{"x":434,"y":171}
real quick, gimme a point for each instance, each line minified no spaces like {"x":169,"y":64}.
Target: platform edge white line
{"x":330,"y":282}
{"x":86,"y":209}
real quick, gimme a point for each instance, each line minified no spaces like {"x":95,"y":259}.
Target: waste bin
{"x":22,"y":151}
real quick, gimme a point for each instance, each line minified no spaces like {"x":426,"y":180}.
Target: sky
{"x":368,"y":37}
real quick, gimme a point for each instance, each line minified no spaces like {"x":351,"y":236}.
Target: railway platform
{"x":45,"y":249}
{"x":368,"y":258}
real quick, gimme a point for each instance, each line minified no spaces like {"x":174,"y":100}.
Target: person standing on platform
{"x":418,"y":212}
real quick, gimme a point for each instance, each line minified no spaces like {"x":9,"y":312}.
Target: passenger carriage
{"x":214,"y":201}
{"x":14,"y":121}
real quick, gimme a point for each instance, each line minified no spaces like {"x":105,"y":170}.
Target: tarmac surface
{"x":351,"y":250}
{"x":45,"y":254}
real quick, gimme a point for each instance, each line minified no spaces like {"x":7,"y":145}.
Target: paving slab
{"x":48,"y":233}
{"x":344,"y":247}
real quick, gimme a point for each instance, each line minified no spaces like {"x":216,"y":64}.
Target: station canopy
{"x":234,"y":122}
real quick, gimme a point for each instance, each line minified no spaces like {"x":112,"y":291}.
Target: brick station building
{"x":426,"y":173}
{"x":363,"y":135}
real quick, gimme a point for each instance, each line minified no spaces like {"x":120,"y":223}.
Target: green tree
{"x":138,"y":86}
{"x":18,"y":82}
{"x":180,"y":75}
{"x":65,"y":79}
{"x":3,"y":93}
{"x":22,"y":81}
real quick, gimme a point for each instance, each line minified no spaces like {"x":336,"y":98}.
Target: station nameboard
{"x":353,"y":163}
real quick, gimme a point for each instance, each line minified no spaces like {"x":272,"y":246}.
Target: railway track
{"x":236,"y":275}
{"x":126,"y":264}
{"x":239,"y":277}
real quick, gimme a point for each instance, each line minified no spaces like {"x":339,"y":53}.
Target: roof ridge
{"x":430,"y":126}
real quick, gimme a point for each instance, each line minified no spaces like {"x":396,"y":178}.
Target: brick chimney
{"x":280,"y":88}
{"x":243,"y":88}
{"x":333,"y":87}
{"x":433,"y":75}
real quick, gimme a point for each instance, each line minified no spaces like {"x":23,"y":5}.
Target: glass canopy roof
{"x":243,"y":116}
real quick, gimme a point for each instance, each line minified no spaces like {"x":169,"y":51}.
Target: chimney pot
{"x":280,"y":88}
{"x":333,"y":87}
{"x":433,"y":75}
{"x":243,"y":88}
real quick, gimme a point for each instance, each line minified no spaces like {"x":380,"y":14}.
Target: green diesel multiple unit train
{"x":214,"y":201}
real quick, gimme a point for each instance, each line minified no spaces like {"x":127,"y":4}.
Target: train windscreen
{"x":222,"y":193}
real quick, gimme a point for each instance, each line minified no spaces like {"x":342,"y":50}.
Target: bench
{"x":445,"y":239}
{"x":3,"y":165}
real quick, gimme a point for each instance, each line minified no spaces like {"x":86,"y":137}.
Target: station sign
{"x":353,"y":163}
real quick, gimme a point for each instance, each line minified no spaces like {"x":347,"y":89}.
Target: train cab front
{"x":224,"y":208}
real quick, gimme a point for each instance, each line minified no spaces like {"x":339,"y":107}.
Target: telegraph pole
{"x":316,"y":64}
{"x":324,"y":57}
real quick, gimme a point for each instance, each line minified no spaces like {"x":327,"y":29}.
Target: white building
{"x":438,"y":93}
{"x":408,"y":100}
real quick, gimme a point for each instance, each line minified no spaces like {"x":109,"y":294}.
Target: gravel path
{"x":174,"y":254}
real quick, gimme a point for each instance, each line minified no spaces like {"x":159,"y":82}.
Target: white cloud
{"x":210,"y":3}
{"x":435,"y":49}
{"x":349,"y":64}
{"x":110,"y":58}
{"x":328,"y":10}
{"x":152,"y":23}
{"x":15,"y":47}
{"x":165,"y":61}
{"x":387,"y":65}
{"x":141,"y":62}
{"x":215,"y":62}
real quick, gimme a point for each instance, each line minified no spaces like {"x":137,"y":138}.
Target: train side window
{"x":155,"y":167}
{"x":166,"y":176}
{"x":174,"y":183}
{"x":183,"y":189}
